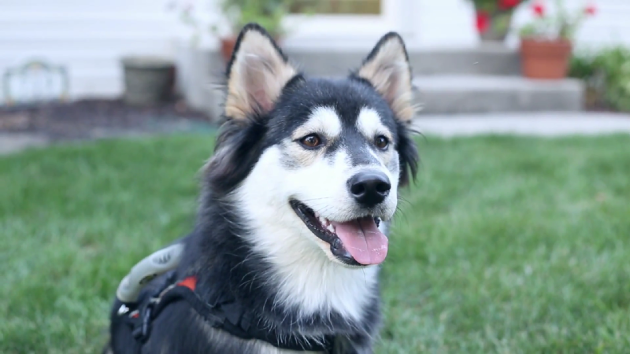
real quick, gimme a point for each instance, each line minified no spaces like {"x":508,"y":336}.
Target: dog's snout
{"x":369,"y":188}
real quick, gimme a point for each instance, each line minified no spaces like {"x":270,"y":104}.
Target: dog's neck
{"x":286,"y":278}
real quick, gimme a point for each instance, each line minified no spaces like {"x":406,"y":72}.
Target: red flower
{"x":508,"y":4}
{"x":590,"y":10}
{"x":539,"y":9}
{"x":483,"y":21}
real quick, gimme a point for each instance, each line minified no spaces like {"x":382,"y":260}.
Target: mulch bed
{"x":92,"y":117}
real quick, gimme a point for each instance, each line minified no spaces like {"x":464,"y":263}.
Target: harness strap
{"x":227,"y":316}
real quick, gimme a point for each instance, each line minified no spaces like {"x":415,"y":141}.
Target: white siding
{"x":611,"y":25}
{"x":444,"y":24}
{"x":88,"y":37}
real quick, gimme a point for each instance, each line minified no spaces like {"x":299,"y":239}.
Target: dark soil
{"x":91,"y":118}
{"x":596,"y":102}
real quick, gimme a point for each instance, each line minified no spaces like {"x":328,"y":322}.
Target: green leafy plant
{"x":267,"y":13}
{"x":607,"y":75}
{"x":561,"y":25}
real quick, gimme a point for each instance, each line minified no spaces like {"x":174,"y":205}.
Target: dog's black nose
{"x":369,"y":188}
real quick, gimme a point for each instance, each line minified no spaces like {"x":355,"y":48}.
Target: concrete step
{"x":550,"y":124}
{"x":452,"y":95}
{"x":484,"y":60}
{"x":484,"y":80}
{"x":456,"y":94}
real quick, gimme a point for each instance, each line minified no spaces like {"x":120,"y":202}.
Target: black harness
{"x":224,"y":314}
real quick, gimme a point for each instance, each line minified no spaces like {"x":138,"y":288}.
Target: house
{"x":90,"y":37}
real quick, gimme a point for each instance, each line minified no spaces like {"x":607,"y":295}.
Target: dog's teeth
{"x":331,"y":228}
{"x":337,"y":243}
{"x":323,"y":221}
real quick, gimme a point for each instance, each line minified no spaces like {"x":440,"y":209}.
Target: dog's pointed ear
{"x":256,"y":74}
{"x":387,"y":69}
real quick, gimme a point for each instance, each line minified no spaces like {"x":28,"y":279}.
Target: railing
{"x":35,"y":82}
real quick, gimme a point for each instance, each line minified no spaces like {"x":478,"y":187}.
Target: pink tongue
{"x":365,"y":242}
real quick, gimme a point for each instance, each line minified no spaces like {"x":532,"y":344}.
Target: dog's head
{"x":315,"y":163}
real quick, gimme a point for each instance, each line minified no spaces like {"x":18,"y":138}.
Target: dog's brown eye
{"x":381,"y":142}
{"x":311,"y":141}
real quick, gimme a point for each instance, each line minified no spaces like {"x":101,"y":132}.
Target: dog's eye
{"x":381,"y":142}
{"x":311,"y":141}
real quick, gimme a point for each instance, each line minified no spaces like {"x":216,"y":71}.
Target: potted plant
{"x":547,"y":41}
{"x":494,"y":18}
{"x":267,"y":13}
{"x":237,"y":13}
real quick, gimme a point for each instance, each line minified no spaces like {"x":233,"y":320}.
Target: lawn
{"x":504,"y":245}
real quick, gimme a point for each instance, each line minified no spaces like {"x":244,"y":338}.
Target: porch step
{"x":484,"y":60}
{"x":442,"y":94}
{"x":454,"y":94}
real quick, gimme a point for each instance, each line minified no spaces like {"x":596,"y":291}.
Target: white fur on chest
{"x":312,"y":283}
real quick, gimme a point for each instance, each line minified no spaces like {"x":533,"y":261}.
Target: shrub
{"x":607,"y":75}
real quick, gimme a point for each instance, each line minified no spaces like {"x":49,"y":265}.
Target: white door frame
{"x":344,"y":31}
{"x":424,"y":24}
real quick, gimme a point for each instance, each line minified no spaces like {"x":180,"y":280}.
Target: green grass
{"x":505,"y":245}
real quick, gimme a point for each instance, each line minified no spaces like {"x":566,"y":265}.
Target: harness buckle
{"x":143,"y":331}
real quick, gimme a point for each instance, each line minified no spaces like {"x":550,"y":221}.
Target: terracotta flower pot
{"x":227,"y":47}
{"x":545,"y":59}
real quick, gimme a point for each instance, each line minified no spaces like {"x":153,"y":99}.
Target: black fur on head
{"x":408,"y":155}
{"x":406,"y":147}
{"x":241,"y":139}
{"x":238,"y":144}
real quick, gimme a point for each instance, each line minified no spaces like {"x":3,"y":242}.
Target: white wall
{"x":89,"y":36}
{"x":444,"y":24}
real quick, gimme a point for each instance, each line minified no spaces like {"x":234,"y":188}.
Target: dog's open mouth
{"x":355,"y":242}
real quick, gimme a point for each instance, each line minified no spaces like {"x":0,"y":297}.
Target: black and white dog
{"x":293,"y":213}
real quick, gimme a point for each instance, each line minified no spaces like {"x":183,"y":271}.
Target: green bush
{"x":607,"y":74}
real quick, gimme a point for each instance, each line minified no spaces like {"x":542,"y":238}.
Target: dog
{"x":293,"y":215}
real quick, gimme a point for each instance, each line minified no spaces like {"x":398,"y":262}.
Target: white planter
{"x":200,"y":76}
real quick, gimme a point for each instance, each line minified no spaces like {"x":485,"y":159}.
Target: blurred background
{"x":465,"y":54}
{"x":514,"y":239}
